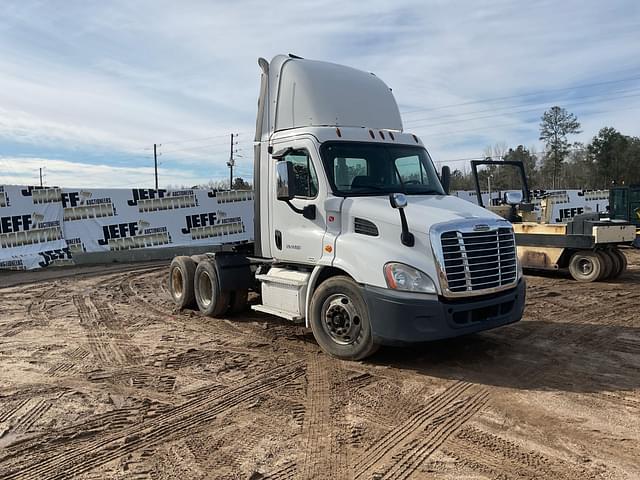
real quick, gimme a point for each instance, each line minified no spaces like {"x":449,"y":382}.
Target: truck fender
{"x":234,"y":271}
{"x":318,"y":276}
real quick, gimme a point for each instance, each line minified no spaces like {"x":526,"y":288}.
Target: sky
{"x":87,"y":87}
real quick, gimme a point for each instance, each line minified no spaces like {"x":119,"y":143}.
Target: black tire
{"x":339,"y":318}
{"x":585,"y":266}
{"x":239,"y":301}
{"x":616,"y":262}
{"x":607,"y":265}
{"x":210,"y":299}
{"x":623,"y":260}
{"x":181,"y":277}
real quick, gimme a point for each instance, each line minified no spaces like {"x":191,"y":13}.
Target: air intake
{"x":365,"y":227}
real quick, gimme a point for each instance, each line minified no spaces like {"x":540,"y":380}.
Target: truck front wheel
{"x":210,"y":299}
{"x":181,"y":275}
{"x":339,"y":319}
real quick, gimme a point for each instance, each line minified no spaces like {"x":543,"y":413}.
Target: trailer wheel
{"x":623,"y":260}
{"x":239,"y":301}
{"x":616,"y":262}
{"x":339,"y":318}
{"x":210,"y":299}
{"x":585,"y":266}
{"x":607,"y":265}
{"x":181,"y":278}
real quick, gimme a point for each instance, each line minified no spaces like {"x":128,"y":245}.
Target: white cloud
{"x":119,"y":76}
{"x":63,"y":173}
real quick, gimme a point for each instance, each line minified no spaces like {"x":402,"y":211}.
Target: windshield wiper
{"x":424,"y":192}
{"x":373,"y":187}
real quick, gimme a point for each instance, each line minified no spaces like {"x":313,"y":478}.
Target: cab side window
{"x":305,"y":178}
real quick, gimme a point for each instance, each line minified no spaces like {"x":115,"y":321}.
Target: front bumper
{"x":401,"y":317}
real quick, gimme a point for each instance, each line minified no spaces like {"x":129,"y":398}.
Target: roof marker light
{"x":415,"y":138}
{"x":371,"y":134}
{"x":381,"y":134}
{"x":338,"y":132}
{"x":391,"y":135}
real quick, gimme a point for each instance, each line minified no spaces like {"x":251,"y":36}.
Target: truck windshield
{"x":356,"y":168}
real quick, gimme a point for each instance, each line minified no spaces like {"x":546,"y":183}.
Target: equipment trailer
{"x":586,"y":245}
{"x":355,"y":234}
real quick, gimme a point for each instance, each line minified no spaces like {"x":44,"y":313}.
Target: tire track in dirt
{"x":134,"y":295}
{"x":35,"y":312}
{"x":320,"y":460}
{"x":37,"y":309}
{"x":445,"y":413}
{"x":286,"y":472}
{"x":487,"y":453}
{"x":323,"y":456}
{"x":56,"y":461}
{"x":105,"y":336}
{"x":31,"y":415}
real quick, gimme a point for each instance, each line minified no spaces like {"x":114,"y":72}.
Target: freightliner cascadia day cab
{"x":355,"y":234}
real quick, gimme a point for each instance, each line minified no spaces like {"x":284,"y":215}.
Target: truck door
{"x":293,"y":237}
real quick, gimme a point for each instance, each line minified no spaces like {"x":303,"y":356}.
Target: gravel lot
{"x":103,"y":378}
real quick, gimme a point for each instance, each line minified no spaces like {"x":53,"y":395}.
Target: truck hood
{"x":422,"y":211}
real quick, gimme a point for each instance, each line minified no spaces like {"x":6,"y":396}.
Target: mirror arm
{"x":406,"y":237}
{"x":308,"y":211}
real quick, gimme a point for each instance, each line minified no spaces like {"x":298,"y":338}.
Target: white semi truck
{"x":355,"y":234}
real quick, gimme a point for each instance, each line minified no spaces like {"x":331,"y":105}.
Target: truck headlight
{"x":403,"y":277}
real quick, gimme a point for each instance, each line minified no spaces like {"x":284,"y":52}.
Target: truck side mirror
{"x":399,"y":202}
{"x":445,"y":178}
{"x":285,"y":185}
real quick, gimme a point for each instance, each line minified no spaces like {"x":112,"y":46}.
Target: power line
{"x":508,"y":97}
{"x":202,"y":139}
{"x":199,"y":147}
{"x":522,"y":122}
{"x":529,"y":110}
{"x":508,"y":107}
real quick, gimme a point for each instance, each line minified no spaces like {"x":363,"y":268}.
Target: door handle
{"x":278,"y":236}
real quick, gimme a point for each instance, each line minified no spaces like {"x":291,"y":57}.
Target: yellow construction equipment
{"x":586,"y":246}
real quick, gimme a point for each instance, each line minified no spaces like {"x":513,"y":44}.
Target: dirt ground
{"x":102,"y":378}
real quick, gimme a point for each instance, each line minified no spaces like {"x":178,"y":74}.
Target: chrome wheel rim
{"x":205,"y":289}
{"x":177,"y":282}
{"x":341,"y":320}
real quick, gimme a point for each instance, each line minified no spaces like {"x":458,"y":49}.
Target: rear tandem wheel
{"x":181,"y":276}
{"x":211,"y":301}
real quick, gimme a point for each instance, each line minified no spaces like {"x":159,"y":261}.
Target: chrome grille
{"x":476,"y":261}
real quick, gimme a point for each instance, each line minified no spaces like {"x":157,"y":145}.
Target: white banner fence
{"x":42,"y":226}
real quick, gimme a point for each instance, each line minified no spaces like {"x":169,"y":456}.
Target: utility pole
{"x":231,"y":161}
{"x":155,"y":162}
{"x":40,"y":177}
